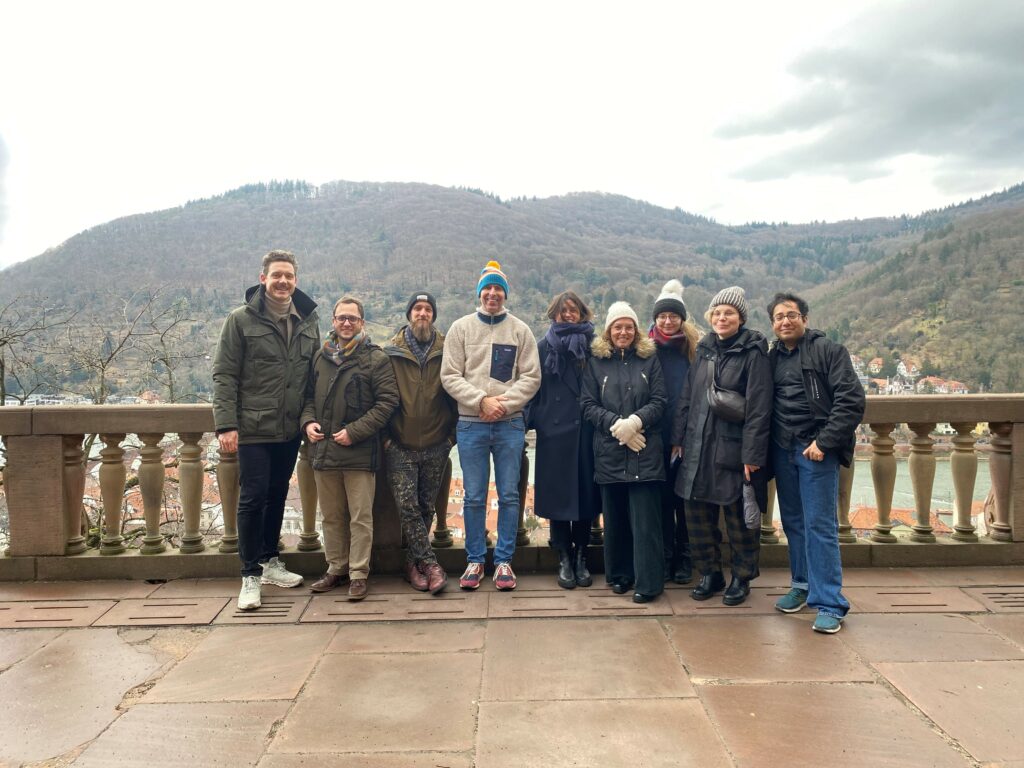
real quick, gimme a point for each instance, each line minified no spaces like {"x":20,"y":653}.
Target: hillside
{"x":907,"y":286}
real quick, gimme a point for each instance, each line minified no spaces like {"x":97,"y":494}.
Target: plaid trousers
{"x":706,"y":539}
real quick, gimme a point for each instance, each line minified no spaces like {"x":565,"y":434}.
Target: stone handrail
{"x":45,"y":473}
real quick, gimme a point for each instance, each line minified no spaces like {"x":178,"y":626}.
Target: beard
{"x":422,"y":331}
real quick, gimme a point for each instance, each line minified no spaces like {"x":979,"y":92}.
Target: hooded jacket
{"x":426,"y":414}
{"x":833,"y":392}
{"x":259,"y":377}
{"x":617,"y":385}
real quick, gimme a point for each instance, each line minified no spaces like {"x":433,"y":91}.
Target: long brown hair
{"x":558,"y":303}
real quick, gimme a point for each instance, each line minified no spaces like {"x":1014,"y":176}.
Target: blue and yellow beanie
{"x":491,"y":274}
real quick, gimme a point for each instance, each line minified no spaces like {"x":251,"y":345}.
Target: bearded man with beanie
{"x":419,"y":437}
{"x":491,"y":368}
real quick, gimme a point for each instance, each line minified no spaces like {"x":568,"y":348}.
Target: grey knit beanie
{"x":670,"y":300}
{"x":734,"y":297}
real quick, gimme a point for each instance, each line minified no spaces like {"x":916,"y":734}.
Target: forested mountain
{"x":945,"y":285}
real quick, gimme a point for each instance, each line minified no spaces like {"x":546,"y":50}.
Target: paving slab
{"x":367,"y":760}
{"x":576,"y":602}
{"x":924,"y":637}
{"x":973,"y":576}
{"x":17,"y":645}
{"x":628,"y":733}
{"x":67,"y":693}
{"x":1010,"y":626}
{"x":156,"y":612}
{"x":217,"y":588}
{"x":977,"y":703}
{"x":173,"y":735}
{"x":815,"y":724}
{"x":397,"y":607}
{"x":762,"y":649}
{"x":911,"y":599}
{"x":52,"y":613}
{"x":761,"y":601}
{"x":884,"y":577}
{"x":75,"y":590}
{"x":998,"y":599}
{"x":275,"y":609}
{"x":243,"y":663}
{"x":543,"y":659}
{"x":409,"y":637}
{"x":385,"y":703}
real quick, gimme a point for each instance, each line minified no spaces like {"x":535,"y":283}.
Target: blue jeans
{"x":807,"y":493}
{"x":478,"y":441}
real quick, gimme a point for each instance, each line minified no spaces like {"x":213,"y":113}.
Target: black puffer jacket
{"x":617,"y":385}
{"x":714,"y":451}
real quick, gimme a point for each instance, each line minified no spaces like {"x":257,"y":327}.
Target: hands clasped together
{"x":629,"y":432}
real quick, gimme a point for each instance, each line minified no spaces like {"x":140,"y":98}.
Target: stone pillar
{"x":883,"y":477}
{"x":151,"y":484}
{"x":112,"y":477}
{"x":596,"y":532}
{"x":309,"y":539}
{"x":922,"y":478}
{"x":963,"y":465}
{"x":74,"y":490}
{"x":35,"y":496}
{"x":190,"y":476}
{"x":442,"y":538}
{"x":846,"y":534}
{"x":1000,"y":465}
{"x":768,"y":533}
{"x":227,"y":485}
{"x":522,"y":535}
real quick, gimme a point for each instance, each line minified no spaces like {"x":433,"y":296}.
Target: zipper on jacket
{"x":604,"y":383}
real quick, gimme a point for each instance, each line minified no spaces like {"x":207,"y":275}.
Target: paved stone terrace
{"x":928,"y":671}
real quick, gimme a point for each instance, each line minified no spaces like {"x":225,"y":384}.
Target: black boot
{"x":583,"y":577}
{"x":708,"y":585}
{"x":684,"y":567}
{"x":737,"y":591}
{"x":566,"y":575}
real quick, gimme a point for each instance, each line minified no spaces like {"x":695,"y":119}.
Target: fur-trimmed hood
{"x":600,"y":347}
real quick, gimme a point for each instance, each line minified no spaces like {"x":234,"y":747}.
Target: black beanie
{"x":421,"y":296}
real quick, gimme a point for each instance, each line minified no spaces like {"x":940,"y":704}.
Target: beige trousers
{"x":346,"y":502}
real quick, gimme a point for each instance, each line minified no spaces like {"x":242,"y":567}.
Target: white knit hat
{"x":619,"y":310}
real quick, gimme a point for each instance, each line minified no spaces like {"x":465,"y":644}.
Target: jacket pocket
{"x":503,"y":361}
{"x":261,"y":343}
{"x":258,"y":418}
{"x":729,"y":452}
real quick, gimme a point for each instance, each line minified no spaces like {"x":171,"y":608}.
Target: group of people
{"x":660,"y":432}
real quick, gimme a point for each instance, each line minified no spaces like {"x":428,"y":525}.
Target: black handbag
{"x":725,"y":404}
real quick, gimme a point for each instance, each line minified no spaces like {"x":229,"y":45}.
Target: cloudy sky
{"x":784,"y":111}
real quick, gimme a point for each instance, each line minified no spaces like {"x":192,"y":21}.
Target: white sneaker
{"x":249,"y":597}
{"x":275,"y":573}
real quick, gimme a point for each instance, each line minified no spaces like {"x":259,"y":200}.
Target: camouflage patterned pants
{"x":415,"y":477}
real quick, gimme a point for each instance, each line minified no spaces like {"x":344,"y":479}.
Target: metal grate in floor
{"x":576,"y":602}
{"x":156,"y":612}
{"x":51,"y":613}
{"x":760,"y":602}
{"x":912,"y":600}
{"x":274,"y":610}
{"x":397,"y":607}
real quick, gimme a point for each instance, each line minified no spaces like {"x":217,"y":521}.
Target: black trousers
{"x":632,"y":535}
{"x":264,"y":471}
{"x":570,"y":534}
{"x":745,"y":544}
{"x":674,"y":535}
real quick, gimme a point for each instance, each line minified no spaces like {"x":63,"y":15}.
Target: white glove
{"x":624,"y":429}
{"x":617,"y":428}
{"x":637,"y":442}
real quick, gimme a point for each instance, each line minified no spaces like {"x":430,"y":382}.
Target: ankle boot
{"x":583,"y":577}
{"x":737,"y":591}
{"x":566,"y":575}
{"x":708,"y":585}
{"x":684,"y":567}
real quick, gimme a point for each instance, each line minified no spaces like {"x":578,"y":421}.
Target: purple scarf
{"x":567,"y":340}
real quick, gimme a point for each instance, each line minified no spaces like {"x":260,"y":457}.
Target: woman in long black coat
{"x":718,"y":455}
{"x":624,"y":398}
{"x":564,"y":491}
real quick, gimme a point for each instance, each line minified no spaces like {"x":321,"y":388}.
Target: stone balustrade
{"x":44,"y":482}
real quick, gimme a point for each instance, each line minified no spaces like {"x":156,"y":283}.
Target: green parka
{"x":359,"y":395}
{"x":427,"y":414}
{"x":259,"y":379}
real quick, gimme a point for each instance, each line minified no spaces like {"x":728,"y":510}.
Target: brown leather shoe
{"x":357,"y":589}
{"x":437,"y":579}
{"x":328,"y":582}
{"x":415,"y":576}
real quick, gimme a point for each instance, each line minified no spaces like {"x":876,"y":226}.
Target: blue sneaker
{"x":792,"y":601}
{"x":827,"y":624}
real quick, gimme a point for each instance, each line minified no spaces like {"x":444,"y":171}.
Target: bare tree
{"x":24,"y":322}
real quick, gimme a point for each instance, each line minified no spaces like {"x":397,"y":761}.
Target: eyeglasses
{"x":347,"y":319}
{"x":791,"y":316}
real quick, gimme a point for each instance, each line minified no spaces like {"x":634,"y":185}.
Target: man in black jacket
{"x":818,"y":404}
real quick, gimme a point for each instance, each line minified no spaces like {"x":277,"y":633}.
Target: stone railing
{"x":44,"y":483}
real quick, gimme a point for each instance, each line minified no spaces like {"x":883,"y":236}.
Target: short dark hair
{"x":557,"y":303}
{"x":349,"y":300}
{"x":784,"y":296}
{"x":273,"y":256}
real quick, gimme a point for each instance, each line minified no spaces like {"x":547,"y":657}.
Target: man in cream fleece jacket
{"x":491,"y":368}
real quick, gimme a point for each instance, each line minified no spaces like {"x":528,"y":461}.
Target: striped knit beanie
{"x":734,"y":297}
{"x":491,"y":274}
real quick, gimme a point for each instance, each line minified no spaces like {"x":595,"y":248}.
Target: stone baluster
{"x":190,"y":477}
{"x":151,"y":484}
{"x":963,"y":465}
{"x":227,"y":485}
{"x":442,"y":538}
{"x":883,"y":477}
{"x":922,"y":479}
{"x":1000,"y":464}
{"x":112,"y":477}
{"x":309,"y":539}
{"x":846,"y":534}
{"x":768,"y":533}
{"x":74,"y":490}
{"x":523,"y":535}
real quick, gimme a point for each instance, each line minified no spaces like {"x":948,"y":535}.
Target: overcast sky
{"x":782,"y":111}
